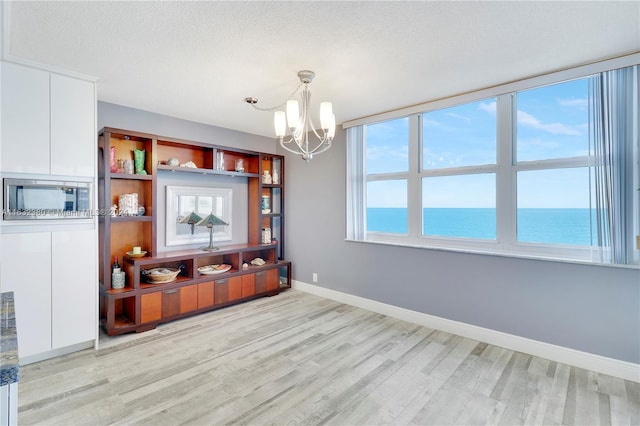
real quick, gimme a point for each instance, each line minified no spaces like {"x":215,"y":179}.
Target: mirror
{"x":182,"y":201}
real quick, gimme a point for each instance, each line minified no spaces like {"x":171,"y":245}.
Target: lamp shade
{"x":293,"y":114}
{"x":211,"y":220}
{"x":332,"y":127}
{"x":280,"y":123}
{"x":326,"y":111}
{"x":191,"y":218}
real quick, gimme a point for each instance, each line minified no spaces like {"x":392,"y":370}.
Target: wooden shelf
{"x":130,"y":176}
{"x":131,"y":219}
{"x":203,"y":171}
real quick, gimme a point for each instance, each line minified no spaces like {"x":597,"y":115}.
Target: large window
{"x":550,"y":171}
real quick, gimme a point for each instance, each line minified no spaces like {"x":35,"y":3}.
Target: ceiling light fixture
{"x":300,"y":124}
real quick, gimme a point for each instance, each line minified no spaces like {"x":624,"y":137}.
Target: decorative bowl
{"x":161,"y":275}
{"x":214,"y":269}
{"x":139,"y":254}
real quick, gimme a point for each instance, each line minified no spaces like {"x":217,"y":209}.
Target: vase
{"x":138,"y":155}
{"x":114,"y":167}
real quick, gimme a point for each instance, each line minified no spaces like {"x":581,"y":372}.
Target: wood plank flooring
{"x":298,"y":359}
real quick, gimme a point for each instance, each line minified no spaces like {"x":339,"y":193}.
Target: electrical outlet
{"x":315,"y":277}
{"x":638,"y":242}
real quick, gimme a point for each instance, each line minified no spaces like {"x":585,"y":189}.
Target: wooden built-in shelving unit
{"x":141,"y":305}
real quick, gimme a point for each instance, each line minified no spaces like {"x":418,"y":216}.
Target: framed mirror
{"x":182,"y":202}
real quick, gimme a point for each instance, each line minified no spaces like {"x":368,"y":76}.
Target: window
{"x":459,"y":167}
{"x":550,"y":171}
{"x":552,"y":167}
{"x":459,"y":206}
{"x":182,"y":201}
{"x":387,"y":166}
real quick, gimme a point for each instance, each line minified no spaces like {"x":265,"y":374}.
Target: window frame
{"x":505,"y":169}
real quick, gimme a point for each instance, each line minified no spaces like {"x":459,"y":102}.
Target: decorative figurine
{"x":138,"y":155}
{"x":276,"y":177}
{"x":266,"y":177}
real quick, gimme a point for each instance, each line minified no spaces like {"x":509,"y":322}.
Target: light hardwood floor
{"x":298,"y":359}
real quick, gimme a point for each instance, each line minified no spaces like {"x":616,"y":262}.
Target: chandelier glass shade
{"x":297,"y":120}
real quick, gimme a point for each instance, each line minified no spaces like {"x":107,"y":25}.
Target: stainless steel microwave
{"x":34,"y":199}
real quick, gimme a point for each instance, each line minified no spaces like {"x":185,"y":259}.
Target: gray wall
{"x":590,"y":308}
{"x":120,"y":117}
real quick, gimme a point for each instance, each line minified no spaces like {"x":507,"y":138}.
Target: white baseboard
{"x":42,"y":356}
{"x":588,"y":361}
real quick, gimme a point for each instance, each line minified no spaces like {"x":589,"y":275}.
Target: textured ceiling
{"x":199,"y":60}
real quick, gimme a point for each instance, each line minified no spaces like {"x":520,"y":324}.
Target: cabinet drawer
{"x":150,"y":307}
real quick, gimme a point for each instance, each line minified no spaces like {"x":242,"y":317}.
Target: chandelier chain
{"x":273,"y":108}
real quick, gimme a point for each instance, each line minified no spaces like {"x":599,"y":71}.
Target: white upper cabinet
{"x":73,"y":133}
{"x":25,"y":119}
{"x":48,"y":123}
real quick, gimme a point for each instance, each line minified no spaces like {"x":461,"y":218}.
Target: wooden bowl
{"x":161,"y":275}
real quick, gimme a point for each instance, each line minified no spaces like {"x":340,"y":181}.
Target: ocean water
{"x":556,"y":226}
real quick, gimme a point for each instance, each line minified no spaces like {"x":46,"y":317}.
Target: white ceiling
{"x":199,"y":60}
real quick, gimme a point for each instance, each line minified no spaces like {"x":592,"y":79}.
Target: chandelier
{"x":299,"y":122}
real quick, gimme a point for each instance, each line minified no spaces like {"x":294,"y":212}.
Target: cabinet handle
{"x":258,"y":274}
{"x":222,"y":281}
{"x":175,"y":290}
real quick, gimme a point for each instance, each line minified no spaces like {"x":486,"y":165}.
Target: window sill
{"x":486,"y":252}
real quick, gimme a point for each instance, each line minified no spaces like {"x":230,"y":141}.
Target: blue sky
{"x":552,"y":122}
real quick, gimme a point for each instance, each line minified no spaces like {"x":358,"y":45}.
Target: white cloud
{"x":574,"y":103}
{"x":429,"y":122}
{"x":460,"y":117}
{"x":387,"y":151}
{"x":489,"y":107}
{"x":527,"y":119}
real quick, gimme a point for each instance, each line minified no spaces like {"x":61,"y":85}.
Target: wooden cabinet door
{"x":235,"y":288}
{"x":170,"y":302}
{"x":273,"y":280}
{"x":248,"y":285}
{"x":228,"y":289}
{"x":261,"y":282}
{"x":189,"y":298}
{"x":151,"y":306}
{"x":221,"y":291}
{"x":205,"y":295}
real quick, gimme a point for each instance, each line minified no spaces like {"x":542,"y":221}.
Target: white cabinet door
{"x":25,"y":119}
{"x":25,"y":269}
{"x":73,"y":132}
{"x":74,"y":287}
